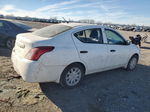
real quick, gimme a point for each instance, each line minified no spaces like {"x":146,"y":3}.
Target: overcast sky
{"x":114,"y":11}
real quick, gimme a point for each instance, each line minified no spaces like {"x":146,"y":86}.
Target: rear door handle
{"x":83,"y":51}
{"x":112,"y":50}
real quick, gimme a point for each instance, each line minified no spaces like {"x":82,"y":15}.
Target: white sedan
{"x":65,"y":53}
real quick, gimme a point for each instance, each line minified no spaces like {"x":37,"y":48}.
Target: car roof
{"x":73,"y":25}
{"x":7,"y":20}
{"x":12,"y":21}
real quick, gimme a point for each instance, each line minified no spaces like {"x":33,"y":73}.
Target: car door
{"x":118,"y":49}
{"x":5,"y":32}
{"x":2,"y":29}
{"x":91,"y":50}
{"x":5,"y":29}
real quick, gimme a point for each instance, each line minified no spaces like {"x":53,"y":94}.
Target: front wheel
{"x":72,"y":76}
{"x":132,"y":63}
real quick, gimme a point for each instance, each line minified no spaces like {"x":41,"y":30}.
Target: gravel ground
{"x":111,"y":91}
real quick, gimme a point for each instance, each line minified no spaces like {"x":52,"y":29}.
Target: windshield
{"x":25,"y":27}
{"x":52,"y":30}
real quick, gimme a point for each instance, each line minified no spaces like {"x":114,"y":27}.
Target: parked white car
{"x":64,"y":53}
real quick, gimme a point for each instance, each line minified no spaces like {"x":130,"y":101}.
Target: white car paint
{"x":67,"y":49}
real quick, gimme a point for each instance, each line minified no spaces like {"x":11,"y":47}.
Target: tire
{"x":72,"y":76}
{"x":132,"y":63}
{"x":10,"y":43}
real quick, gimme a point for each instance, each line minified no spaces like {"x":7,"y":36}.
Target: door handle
{"x":83,"y":51}
{"x":112,"y":50}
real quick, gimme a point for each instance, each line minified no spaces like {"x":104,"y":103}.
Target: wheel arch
{"x":80,"y":63}
{"x":135,"y":54}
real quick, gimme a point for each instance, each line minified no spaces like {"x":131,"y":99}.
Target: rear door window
{"x":90,"y":36}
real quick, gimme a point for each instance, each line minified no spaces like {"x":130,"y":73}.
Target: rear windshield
{"x":52,"y":30}
{"x":23,"y":26}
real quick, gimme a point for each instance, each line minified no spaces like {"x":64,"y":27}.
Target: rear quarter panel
{"x":64,"y":52}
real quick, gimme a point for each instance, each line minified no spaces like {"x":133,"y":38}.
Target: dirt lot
{"x":112,"y":91}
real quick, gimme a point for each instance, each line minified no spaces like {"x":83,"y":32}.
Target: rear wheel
{"x":72,"y":76}
{"x":10,"y":43}
{"x":132,"y":63}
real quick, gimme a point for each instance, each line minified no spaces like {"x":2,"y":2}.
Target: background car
{"x":64,"y":53}
{"x":9,"y":30}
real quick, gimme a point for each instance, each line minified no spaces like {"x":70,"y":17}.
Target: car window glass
{"x":25,"y":27}
{"x":52,"y":30}
{"x":4,"y":25}
{"x":90,"y":36}
{"x":1,"y":25}
{"x":81,"y":36}
{"x":113,"y":37}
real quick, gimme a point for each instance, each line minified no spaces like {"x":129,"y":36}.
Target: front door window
{"x":114,"y":38}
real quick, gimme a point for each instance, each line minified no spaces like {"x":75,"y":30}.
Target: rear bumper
{"x":34,"y":71}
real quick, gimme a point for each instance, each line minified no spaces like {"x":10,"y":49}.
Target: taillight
{"x":35,"y":53}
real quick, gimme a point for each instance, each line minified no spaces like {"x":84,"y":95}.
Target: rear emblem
{"x":21,"y":45}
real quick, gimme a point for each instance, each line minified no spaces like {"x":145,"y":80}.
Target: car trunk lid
{"x":26,"y":41}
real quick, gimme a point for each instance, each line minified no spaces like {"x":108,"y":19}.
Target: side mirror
{"x":128,"y":42}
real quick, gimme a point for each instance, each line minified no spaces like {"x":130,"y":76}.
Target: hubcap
{"x":10,"y":44}
{"x":73,"y":76}
{"x":133,"y":63}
